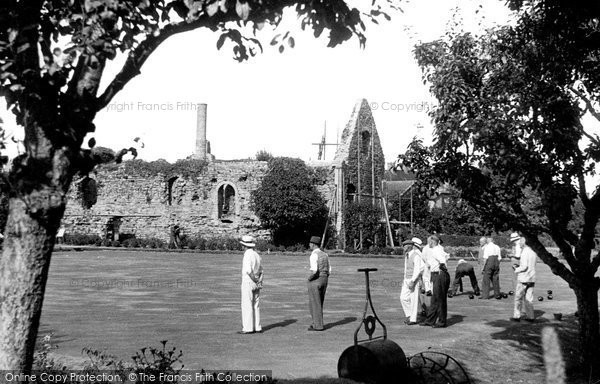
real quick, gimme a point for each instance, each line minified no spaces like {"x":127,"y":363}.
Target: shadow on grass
{"x":454,"y":319}
{"x":281,"y":324}
{"x":527,"y":337}
{"x":345,"y":320}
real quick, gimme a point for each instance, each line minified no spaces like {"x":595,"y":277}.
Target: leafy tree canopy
{"x":509,"y":133}
{"x":288,"y":203}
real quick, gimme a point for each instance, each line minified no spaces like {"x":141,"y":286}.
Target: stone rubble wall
{"x":141,"y":203}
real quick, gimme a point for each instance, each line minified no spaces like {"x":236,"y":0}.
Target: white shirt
{"x":526,"y":269}
{"x":251,"y":264}
{"x":491,"y":249}
{"x":313,"y":261}
{"x":435,"y":256}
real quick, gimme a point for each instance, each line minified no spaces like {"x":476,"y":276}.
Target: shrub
{"x":42,"y":361}
{"x":81,"y":239}
{"x":287,"y":202}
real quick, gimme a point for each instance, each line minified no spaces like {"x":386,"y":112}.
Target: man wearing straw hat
{"x":317,"y":283}
{"x":413,"y":272}
{"x":515,"y":257}
{"x":525,"y":282}
{"x":252,"y":277}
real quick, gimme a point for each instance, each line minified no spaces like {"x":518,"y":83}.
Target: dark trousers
{"x":491,"y":275}
{"x":458,"y":280}
{"x":438,"y":310}
{"x":316,"y":297}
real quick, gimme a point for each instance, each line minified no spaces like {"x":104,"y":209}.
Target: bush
{"x":288,"y":204}
{"x":81,"y":239}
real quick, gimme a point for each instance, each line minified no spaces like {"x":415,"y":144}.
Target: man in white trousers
{"x":525,"y":283}
{"x":413,"y":272}
{"x":252,"y":277}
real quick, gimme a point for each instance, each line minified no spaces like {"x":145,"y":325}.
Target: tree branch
{"x":555,"y":265}
{"x":565,"y":248}
{"x":582,"y":189}
{"x":588,"y":104}
{"x":138,"y":56}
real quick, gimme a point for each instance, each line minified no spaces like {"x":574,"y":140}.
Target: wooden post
{"x":359,"y":190}
{"x":372,"y":167}
{"x":412,"y":230}
{"x":387,"y":220}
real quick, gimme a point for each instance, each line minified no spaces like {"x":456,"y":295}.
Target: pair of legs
{"x":410,"y":300}
{"x":250,"y":308}
{"x":491,"y":275}
{"x":438,"y":310}
{"x":524,"y":301}
{"x":316,"y":298}
{"x":458,"y":281}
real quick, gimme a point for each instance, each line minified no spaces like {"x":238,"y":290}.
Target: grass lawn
{"x":121,"y":301}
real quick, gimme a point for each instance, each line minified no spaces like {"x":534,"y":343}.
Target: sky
{"x":281,"y":102}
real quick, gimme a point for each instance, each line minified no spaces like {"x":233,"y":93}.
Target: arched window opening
{"x":88,"y":192}
{"x":365,"y":142}
{"x":226,"y":202}
{"x":170,"y":184}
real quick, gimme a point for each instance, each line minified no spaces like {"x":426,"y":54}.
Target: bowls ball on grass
{"x":511,"y":292}
{"x":540,"y":298}
{"x":504,"y":296}
{"x":471,"y":297}
{"x":549,"y":292}
{"x":550,"y":297}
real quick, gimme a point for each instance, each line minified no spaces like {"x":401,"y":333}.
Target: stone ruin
{"x":216,"y":201}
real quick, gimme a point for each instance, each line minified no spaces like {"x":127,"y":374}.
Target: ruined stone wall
{"x":145,"y":207}
{"x":149,"y":206}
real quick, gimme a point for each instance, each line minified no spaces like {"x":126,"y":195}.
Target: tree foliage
{"x":263,"y":155}
{"x":288,"y":204}
{"x":509,"y":134}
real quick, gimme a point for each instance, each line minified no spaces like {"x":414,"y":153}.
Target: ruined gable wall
{"x":357,"y":132}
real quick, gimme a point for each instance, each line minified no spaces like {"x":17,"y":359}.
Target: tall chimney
{"x":201,"y":144}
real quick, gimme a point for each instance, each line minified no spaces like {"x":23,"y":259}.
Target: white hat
{"x":514,"y":236}
{"x":461,"y":261}
{"x":248,"y":241}
{"x":417,"y":241}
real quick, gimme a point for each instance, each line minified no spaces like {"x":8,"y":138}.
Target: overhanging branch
{"x":555,"y":265}
{"x":138,"y":56}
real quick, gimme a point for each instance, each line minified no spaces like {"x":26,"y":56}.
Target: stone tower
{"x":202,"y":145}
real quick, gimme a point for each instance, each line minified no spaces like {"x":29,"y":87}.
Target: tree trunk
{"x":28,"y":245}
{"x":589,"y":331}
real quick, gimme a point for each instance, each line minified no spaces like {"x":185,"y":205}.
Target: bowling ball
{"x":550,"y":297}
{"x":540,"y":298}
{"x":471,"y":297}
{"x":498,"y":297}
{"x":549,"y":292}
{"x":511,"y":292}
{"x":504,"y":296}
